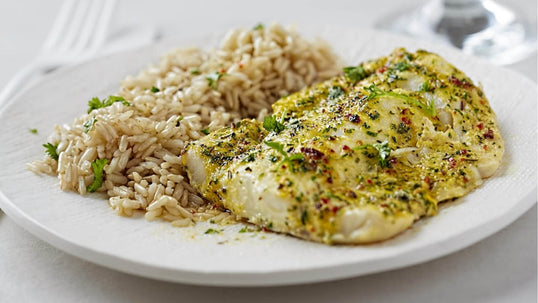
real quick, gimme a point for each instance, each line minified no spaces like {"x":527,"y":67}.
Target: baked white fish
{"x":357,"y":158}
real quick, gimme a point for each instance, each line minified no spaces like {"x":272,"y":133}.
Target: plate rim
{"x":251,"y":278}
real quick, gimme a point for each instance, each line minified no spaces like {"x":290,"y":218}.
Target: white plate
{"x":86,"y":227}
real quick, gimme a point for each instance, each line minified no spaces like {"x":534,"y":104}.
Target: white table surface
{"x":501,"y":268}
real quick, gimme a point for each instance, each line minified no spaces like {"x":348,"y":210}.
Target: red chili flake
{"x":383,"y":205}
{"x":463,"y":152}
{"x":222,"y":71}
{"x":462,"y":159}
{"x":392,"y":160}
{"x":353,"y":118}
{"x":369,"y":182}
{"x":312,"y":153}
{"x":240,"y":64}
{"x":482,"y":101}
{"x":192,"y":211}
{"x":265,"y":229}
{"x":283,"y":166}
{"x":404,"y":111}
{"x":214,"y":206}
{"x":325,"y":200}
{"x":488,"y":134}
{"x":465,"y":179}
{"x":428,"y":181}
{"x":480,"y":126}
{"x":451,"y":162}
{"x":485,"y":147}
{"x":345,"y":147}
{"x":330,"y":180}
{"x":335,"y":209}
{"x":458,"y":82}
{"x":406,"y":121}
{"x":312,"y":229}
{"x":332,"y":150}
{"x":381,"y":69}
{"x":325,"y":160}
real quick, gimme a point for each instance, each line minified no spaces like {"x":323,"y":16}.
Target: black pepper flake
{"x":353,"y":118}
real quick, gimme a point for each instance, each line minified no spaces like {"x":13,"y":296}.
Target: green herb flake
{"x":195,"y":71}
{"x":33,"y":130}
{"x":335,"y":92}
{"x":98,"y":169}
{"x":271,"y":124}
{"x":211,"y":231}
{"x":205,"y":131}
{"x":374,"y":92}
{"x":154,"y":89}
{"x":401,"y":66}
{"x":96,"y":103}
{"x":304,"y":217}
{"x":88,"y":125}
{"x":355,"y":73}
{"x":245,"y":229}
{"x":280,"y":149}
{"x":51,"y":150}
{"x":213,"y":79}
{"x":383,"y":152}
{"x":371,"y":133}
{"x":258,"y":27}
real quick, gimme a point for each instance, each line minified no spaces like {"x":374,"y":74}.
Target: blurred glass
{"x":479,"y":27}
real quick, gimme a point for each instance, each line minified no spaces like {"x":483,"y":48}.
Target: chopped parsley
{"x":195,"y":71}
{"x":33,"y":130}
{"x":205,"y":131}
{"x":258,"y":27}
{"x":88,"y":125}
{"x":271,"y":124}
{"x":375,"y":92}
{"x":213,"y":79}
{"x":51,"y":150}
{"x":245,"y":229}
{"x":211,"y":231}
{"x":154,"y":89}
{"x":383,"y":152}
{"x":401,"y":66}
{"x":355,"y":73}
{"x":335,"y":92}
{"x":96,"y":103}
{"x":280,"y":149}
{"x":98,"y":169}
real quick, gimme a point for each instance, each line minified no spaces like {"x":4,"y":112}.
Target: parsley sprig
{"x":271,"y":124}
{"x":280,"y":149}
{"x":213,"y":79}
{"x":98,"y":169}
{"x":383,"y":152}
{"x":51,"y":150}
{"x":355,"y":73}
{"x":96,"y":103}
{"x":375,"y":92}
{"x":88,"y":125}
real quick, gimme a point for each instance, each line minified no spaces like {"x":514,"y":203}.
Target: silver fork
{"x":77,"y":34}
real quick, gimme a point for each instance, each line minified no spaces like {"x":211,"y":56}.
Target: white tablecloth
{"x":501,"y":268}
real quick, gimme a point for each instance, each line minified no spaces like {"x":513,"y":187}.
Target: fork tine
{"x":89,"y":24}
{"x":73,"y":27}
{"x":102,"y":24}
{"x":66,"y":11}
